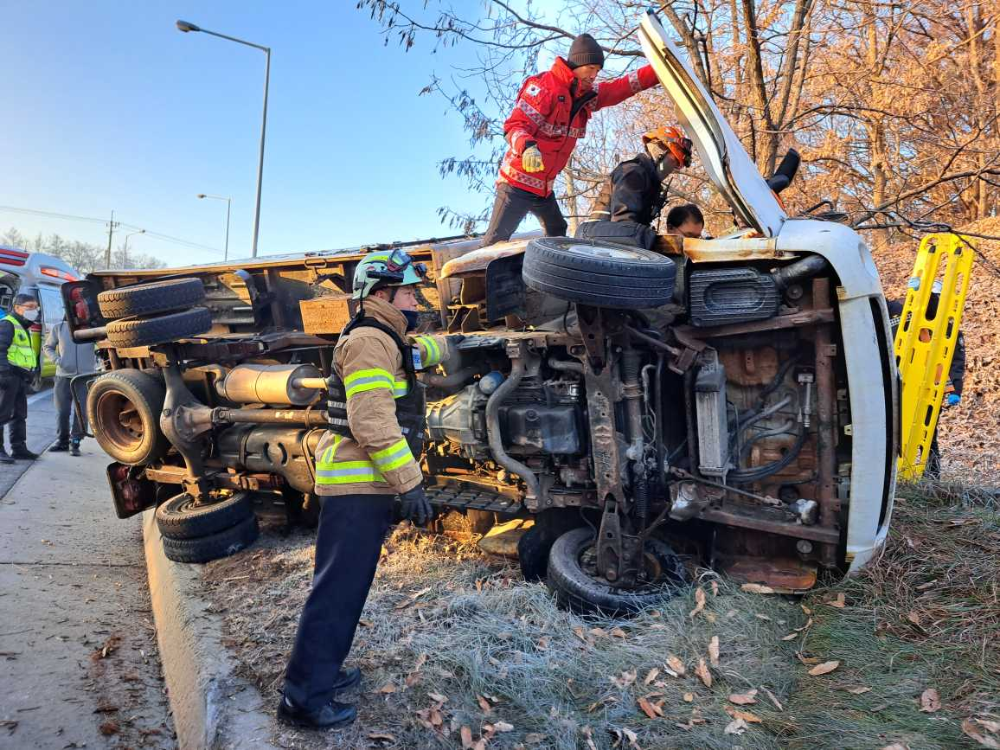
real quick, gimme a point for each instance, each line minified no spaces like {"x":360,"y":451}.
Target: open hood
{"x":723,"y":156}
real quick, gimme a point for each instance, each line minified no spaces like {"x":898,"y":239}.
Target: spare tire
{"x":159,"y":330}
{"x":168,"y":295}
{"x":181,"y":518}
{"x":212,"y":547}
{"x":578,"y":589}
{"x":600,"y":274}
{"x":123,"y":408}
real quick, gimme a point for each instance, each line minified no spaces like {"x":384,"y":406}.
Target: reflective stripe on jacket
{"x":378,"y":460}
{"x":20,"y":353}
{"x":545,"y":105}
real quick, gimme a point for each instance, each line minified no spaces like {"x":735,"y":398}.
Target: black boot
{"x":329,"y":716}
{"x":59,"y":447}
{"x":74,"y":448}
{"x":4,"y":458}
{"x":22,"y":453}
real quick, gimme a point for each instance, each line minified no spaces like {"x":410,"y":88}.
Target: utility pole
{"x":111,"y":233}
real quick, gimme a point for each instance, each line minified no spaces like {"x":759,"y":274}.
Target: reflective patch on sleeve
{"x":368,"y":380}
{"x":396,"y":455}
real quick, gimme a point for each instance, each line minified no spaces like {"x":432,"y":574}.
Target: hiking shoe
{"x":74,"y":449}
{"x":59,"y":448}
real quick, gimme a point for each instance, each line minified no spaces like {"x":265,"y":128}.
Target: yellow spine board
{"x":924,"y":348}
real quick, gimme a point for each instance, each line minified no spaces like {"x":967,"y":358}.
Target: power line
{"x":90,"y":219}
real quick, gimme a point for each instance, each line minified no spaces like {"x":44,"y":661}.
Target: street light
{"x":186,"y":26}
{"x":229,"y":203}
{"x":125,"y":251}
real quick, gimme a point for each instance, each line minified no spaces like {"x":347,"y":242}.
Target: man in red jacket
{"x":551,"y":113}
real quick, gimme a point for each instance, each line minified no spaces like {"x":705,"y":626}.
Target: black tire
{"x":576,"y":590}
{"x":180,"y":518}
{"x":123,"y":409}
{"x":533,"y":553}
{"x":206,"y":548}
{"x":599,"y":273}
{"x":159,"y":330}
{"x":156,"y":297}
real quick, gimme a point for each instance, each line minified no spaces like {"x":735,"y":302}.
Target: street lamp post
{"x":186,"y":27}
{"x":125,"y":251}
{"x":229,"y":202}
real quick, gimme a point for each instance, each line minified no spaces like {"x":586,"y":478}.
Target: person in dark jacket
{"x":956,"y":375}
{"x":686,"y":221}
{"x":71,"y":359}
{"x":18,"y":363}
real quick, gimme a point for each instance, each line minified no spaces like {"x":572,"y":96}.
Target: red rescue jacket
{"x":545,"y":105}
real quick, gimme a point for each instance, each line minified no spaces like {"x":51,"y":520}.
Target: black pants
{"x":62,"y":395}
{"x":348,"y":544}
{"x":513,"y":204}
{"x":14,"y":409}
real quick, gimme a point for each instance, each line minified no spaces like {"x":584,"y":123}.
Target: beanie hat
{"x":585,"y":51}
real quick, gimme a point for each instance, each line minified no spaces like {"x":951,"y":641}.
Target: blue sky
{"x":108,"y":106}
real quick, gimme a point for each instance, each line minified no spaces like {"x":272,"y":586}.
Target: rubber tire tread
{"x":215,"y":546}
{"x":147,"y":393}
{"x":159,"y":330}
{"x":169,"y":295}
{"x":204,"y":520}
{"x":645,"y":282}
{"x":578,"y":592}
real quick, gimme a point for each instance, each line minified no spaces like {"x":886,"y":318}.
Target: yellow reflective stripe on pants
{"x":393,"y":457}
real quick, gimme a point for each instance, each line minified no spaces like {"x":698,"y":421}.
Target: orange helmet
{"x":673,"y":140}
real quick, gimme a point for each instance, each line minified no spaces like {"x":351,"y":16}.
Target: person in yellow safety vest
{"x":369,"y":455}
{"x":18,"y":363}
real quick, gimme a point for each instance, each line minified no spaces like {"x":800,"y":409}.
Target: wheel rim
{"x":606,"y":252}
{"x":120,"y":421}
{"x":653,"y":577}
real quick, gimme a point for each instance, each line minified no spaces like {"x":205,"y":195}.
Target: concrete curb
{"x":212,"y":708}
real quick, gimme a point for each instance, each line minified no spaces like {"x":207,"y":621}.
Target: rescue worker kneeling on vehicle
{"x":369,"y":455}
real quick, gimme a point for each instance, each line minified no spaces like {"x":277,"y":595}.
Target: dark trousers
{"x":14,"y":409}
{"x":513,"y":204}
{"x":62,"y":396}
{"x":348,"y":544}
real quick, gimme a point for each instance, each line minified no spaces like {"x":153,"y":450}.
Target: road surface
{"x":78,"y":659}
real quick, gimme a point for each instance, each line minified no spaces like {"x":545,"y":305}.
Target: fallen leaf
{"x":756,"y":588}
{"x":109,"y":728}
{"x":928,"y":585}
{"x":824,"y":668}
{"x":839,"y":602}
{"x":649,"y":709}
{"x":746,"y":716}
{"x":699,"y":598}
{"x":381,"y":737}
{"x":703,"y":673}
{"x":543,"y":643}
{"x":437,"y":697}
{"x":618,"y":633}
{"x":632,"y":738}
{"x":651,"y":676}
{"x":466,"y":735}
{"x":806,"y":609}
{"x":715,"y":588}
{"x":625,"y":679}
{"x":930,"y":701}
{"x":533,"y":738}
{"x":969,"y":729}
{"x":914,"y":618}
{"x":896,"y":746}
{"x":765,"y":618}
{"x":790,"y":637}
{"x":713,"y":651}
{"x":421,"y":660}
{"x":774,"y":700}
{"x":484,"y":704}
{"x":502,"y":726}
{"x":806,"y":659}
{"x":688,"y":697}
{"x":859,"y":690}
{"x":736,"y":726}
{"x":598,"y":632}
{"x":676,"y":665}
{"x":743,"y":699}
{"x":387,"y":688}
{"x":808,"y":625}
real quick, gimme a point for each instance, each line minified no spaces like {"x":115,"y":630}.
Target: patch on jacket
{"x":533,"y":89}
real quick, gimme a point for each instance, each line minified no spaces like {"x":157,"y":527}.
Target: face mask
{"x":31,"y":315}
{"x":412,"y":318}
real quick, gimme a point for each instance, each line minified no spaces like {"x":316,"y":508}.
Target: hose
{"x":762,"y":472}
{"x":563,"y":365}
{"x":457,"y":378}
{"x":493,"y":429}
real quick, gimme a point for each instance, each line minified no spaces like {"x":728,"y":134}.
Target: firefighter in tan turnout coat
{"x":370,"y":454}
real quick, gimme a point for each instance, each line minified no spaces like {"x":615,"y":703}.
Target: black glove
{"x":416,"y":507}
